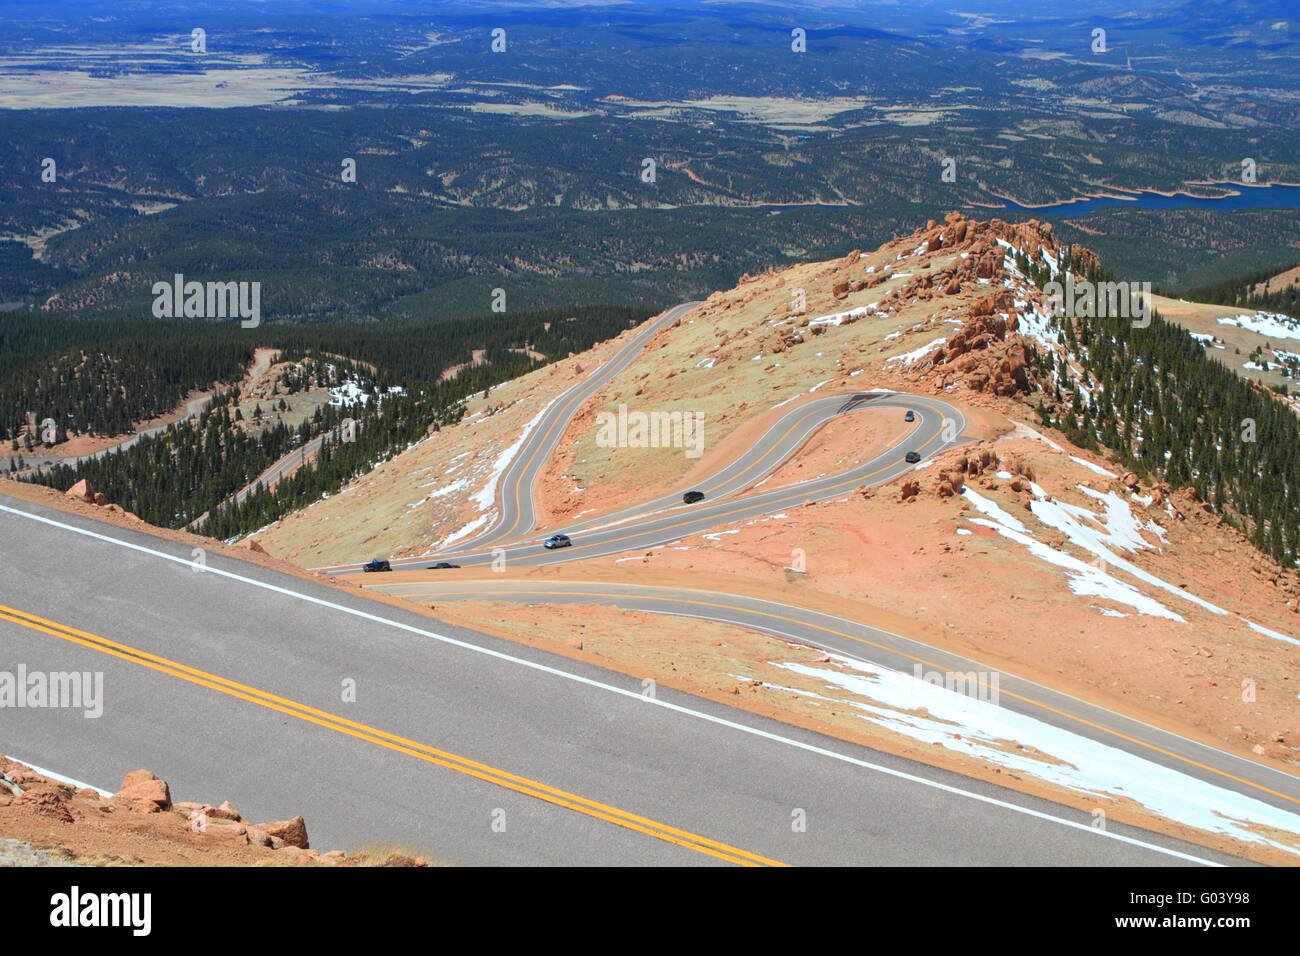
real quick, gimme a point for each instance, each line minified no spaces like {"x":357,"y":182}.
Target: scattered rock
{"x":144,"y":791}
{"x":83,"y":489}
{"x":292,"y":832}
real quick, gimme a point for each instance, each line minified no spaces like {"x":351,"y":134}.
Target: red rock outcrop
{"x":292,"y":832}
{"x":83,"y":489}
{"x":144,"y":791}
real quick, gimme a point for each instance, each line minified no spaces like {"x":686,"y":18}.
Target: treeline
{"x":376,"y":438}
{"x":1171,"y":413}
{"x":417,"y":352}
{"x":381,"y":432}
{"x":171,"y":478}
{"x":101,"y":378}
{"x":1240,"y":292}
{"x":195,"y":467}
{"x":96,"y":378}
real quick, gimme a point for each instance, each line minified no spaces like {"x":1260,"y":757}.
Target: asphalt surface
{"x":381,"y":725}
{"x":515,"y":513}
{"x":385,"y":726}
{"x":732,"y":494}
{"x":896,"y":652}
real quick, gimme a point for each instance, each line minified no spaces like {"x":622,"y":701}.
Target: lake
{"x":1272,"y":196}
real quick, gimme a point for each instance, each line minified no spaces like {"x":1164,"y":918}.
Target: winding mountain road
{"x":897,"y":652}
{"x":383,"y":724}
{"x":730,"y":493}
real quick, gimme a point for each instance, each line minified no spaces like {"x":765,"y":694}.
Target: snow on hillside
{"x":909,"y":358}
{"x":352,"y":393}
{"x":933,"y":714}
{"x":1268,"y":324}
{"x":1107,"y":535}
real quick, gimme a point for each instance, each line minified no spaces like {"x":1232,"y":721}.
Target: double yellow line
{"x":411,"y":748}
{"x":636,"y":344}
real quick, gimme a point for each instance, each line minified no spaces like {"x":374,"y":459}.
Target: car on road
{"x":910,"y":416}
{"x":441,"y":565}
{"x":911,"y":458}
{"x":557,"y":541}
{"x":379,"y":564}
{"x":693,"y":496}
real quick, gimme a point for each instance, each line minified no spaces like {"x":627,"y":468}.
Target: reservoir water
{"x":1243,"y":197}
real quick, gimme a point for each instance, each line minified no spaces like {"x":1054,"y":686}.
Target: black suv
{"x":693,"y":496}
{"x":911,"y":458}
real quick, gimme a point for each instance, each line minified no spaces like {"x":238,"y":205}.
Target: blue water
{"x":1275,"y":197}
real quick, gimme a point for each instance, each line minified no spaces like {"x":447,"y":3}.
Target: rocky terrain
{"x":1018,"y":549}
{"x":1143,"y":575}
{"x":48,"y":822}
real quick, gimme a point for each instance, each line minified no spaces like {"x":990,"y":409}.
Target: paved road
{"x":516,"y":512}
{"x":382,"y":724}
{"x":379,"y":724}
{"x":894,"y":651}
{"x":732,"y":493}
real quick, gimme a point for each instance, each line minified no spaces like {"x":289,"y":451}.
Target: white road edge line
{"x":62,"y":778}
{"x":848,"y":624}
{"x":635,"y":695}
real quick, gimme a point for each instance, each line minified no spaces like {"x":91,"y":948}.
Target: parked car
{"x":557,"y":541}
{"x":912,"y":457}
{"x":379,"y":564}
{"x":910,"y":416}
{"x":693,"y":496}
{"x":442,"y":564}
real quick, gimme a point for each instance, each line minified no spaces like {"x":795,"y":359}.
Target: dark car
{"x":693,"y":496}
{"x":910,"y":416}
{"x":911,"y":458}
{"x":557,"y":541}
{"x":379,"y":564}
{"x":441,"y":565}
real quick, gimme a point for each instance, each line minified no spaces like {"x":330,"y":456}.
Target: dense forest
{"x":191,"y":468}
{"x":1243,"y":291}
{"x":1168,"y":411}
{"x":555,"y":211}
{"x":99,"y":378}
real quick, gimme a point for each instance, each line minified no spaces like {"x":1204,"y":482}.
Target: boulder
{"x":145,"y":791}
{"x":83,"y":490}
{"x":224,"y":812}
{"x":137,"y":776}
{"x":292,"y":832}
